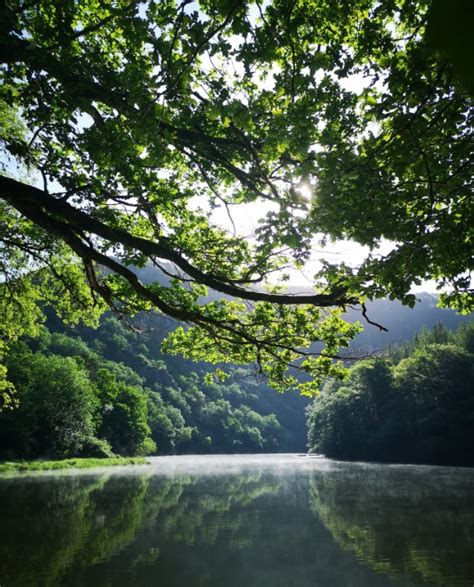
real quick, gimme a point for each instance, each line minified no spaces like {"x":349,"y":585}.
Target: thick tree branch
{"x":237,"y":330}
{"x":30,"y":201}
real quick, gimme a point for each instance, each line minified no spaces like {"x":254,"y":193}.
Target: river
{"x":239,"y":521}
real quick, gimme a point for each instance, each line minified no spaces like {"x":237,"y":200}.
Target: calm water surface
{"x":251,"y":521}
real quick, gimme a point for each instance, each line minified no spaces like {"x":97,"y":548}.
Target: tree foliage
{"x":416,"y":407}
{"x":141,"y":118}
{"x":105,"y":391}
{"x":57,"y":405}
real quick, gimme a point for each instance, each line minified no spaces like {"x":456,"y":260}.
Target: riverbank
{"x":21,"y":466}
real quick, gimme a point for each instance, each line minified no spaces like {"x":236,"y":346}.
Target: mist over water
{"x":239,"y":520}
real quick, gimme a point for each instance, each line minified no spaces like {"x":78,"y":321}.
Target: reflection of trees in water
{"x":401,"y":519}
{"x":51,"y":526}
{"x":93,"y":530}
{"x":55,"y":522}
{"x":214,"y":505}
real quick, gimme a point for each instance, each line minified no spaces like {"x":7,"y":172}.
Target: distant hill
{"x":401,"y":321}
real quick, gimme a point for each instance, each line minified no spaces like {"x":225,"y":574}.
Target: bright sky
{"x":246,"y":219}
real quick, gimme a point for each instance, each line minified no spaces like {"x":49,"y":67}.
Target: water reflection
{"x":401,"y":519}
{"x":49,"y":524}
{"x":253,"y":521}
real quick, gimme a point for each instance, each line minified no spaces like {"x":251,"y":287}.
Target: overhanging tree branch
{"x":31,"y":202}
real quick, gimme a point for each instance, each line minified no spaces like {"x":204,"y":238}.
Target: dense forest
{"x":216,"y":217}
{"x":414,"y":406}
{"x":87,"y":392}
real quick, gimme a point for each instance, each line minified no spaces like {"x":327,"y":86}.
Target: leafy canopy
{"x":140,"y":118}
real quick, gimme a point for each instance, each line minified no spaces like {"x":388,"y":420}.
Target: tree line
{"x":92,"y":392}
{"x":415,"y":405}
{"x":85,"y":392}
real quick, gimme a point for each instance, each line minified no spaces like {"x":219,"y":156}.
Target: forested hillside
{"x":76,"y":386}
{"x":415,"y":406}
{"x":91,"y":392}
